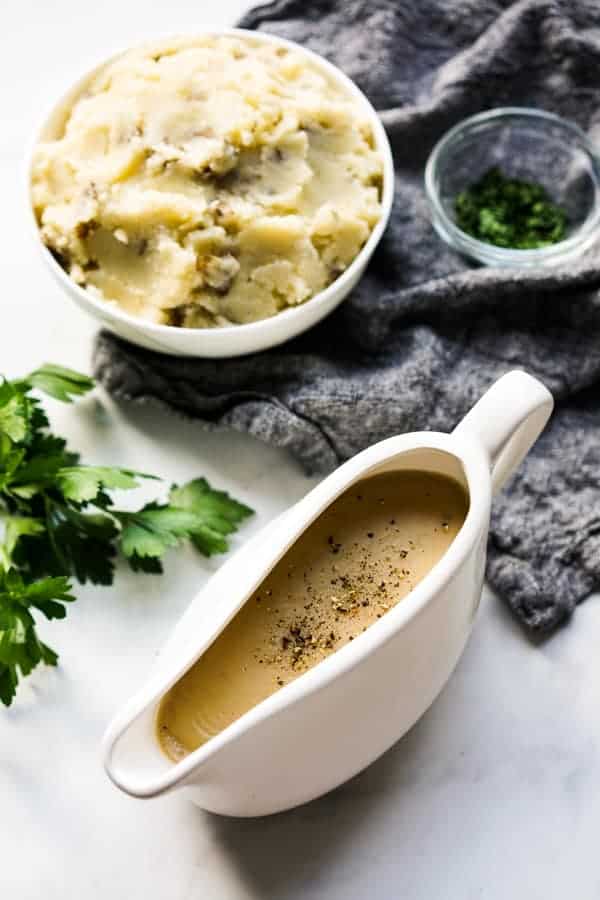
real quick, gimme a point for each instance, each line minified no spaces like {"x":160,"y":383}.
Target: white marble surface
{"x":494,"y":794}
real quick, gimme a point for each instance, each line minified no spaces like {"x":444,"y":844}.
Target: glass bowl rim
{"x":482,"y":249}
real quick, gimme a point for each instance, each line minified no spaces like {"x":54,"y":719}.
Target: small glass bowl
{"x":524,"y":143}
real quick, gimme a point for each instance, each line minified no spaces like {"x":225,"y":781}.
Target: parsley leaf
{"x":20,"y":648}
{"x":195,"y":510}
{"x":83,"y":483}
{"x":154,"y":529}
{"x":14,"y":412}
{"x":60,"y":383}
{"x":219,"y":514}
{"x":151,"y":565}
{"x":58,"y":520}
{"x":16,"y":527}
{"x":75,"y":543}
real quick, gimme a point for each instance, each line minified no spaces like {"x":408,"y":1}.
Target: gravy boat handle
{"x":506,"y":421}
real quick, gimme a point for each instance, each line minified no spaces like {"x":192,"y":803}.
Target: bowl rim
{"x":343,"y":283}
{"x":482,"y":250}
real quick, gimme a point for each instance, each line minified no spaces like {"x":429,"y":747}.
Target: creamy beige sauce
{"x":208,"y":181}
{"x":363,"y":555}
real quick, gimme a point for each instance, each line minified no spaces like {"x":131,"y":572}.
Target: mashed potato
{"x":208,"y":181}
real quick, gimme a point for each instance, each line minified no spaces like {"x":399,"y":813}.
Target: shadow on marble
{"x":287,"y":855}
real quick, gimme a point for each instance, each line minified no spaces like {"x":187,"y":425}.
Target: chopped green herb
{"x":509,"y":212}
{"x":57,"y":520}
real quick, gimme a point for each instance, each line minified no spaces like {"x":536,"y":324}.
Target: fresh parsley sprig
{"x":58,"y":519}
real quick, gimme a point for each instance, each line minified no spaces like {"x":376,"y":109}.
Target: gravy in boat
{"x":364,"y":554}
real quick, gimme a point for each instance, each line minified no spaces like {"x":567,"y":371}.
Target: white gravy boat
{"x":338,"y":717}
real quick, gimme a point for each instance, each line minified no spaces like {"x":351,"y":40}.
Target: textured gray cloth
{"x":424,"y":334}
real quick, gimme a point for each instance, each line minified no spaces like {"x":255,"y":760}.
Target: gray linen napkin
{"x":424,"y":334}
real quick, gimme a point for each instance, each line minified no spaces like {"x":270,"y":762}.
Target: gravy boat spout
{"x":337,"y":717}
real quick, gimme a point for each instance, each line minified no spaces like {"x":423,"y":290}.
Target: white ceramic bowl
{"x":232,"y":340}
